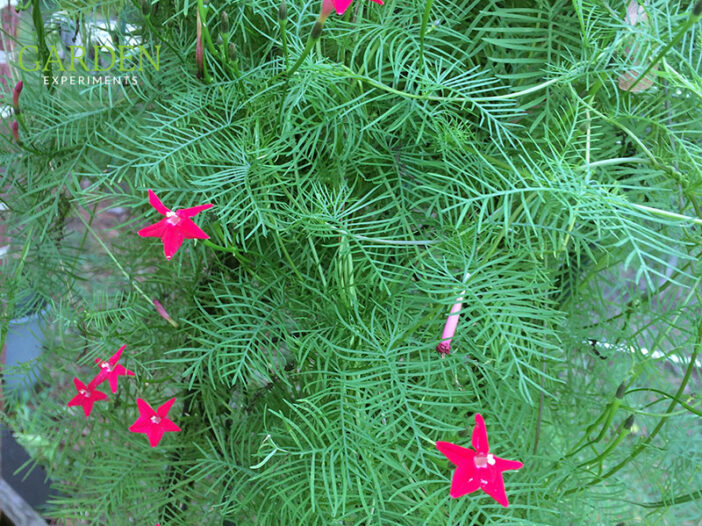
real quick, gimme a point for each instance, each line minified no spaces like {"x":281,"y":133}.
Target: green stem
{"x":672,"y":500}
{"x":644,"y":443}
{"x":623,"y":432}
{"x":114,"y":259}
{"x":11,"y":292}
{"x":41,"y":41}
{"x":680,"y":34}
{"x":284,"y":38}
{"x":669,"y":396}
{"x":311,"y":41}
{"x":422,"y":34}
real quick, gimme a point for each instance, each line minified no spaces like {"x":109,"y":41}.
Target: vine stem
{"x":423,"y":32}
{"x":644,"y":443}
{"x":678,"y":37}
{"x":114,"y":259}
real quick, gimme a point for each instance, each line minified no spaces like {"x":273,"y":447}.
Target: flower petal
{"x":169,"y":425}
{"x":193,"y":211}
{"x":480,"y":438}
{"x":120,"y":370}
{"x":190,"y":230}
{"x":98,"y":395}
{"x":341,"y":6}
{"x":495,"y":486}
{"x":165,"y":407}
{"x":142,"y":424}
{"x":87,"y":407}
{"x":99,"y":377}
{"x":145,"y":410}
{"x":116,"y":356}
{"x":113,"y":382}
{"x":155,"y":434}
{"x":157,"y":204}
{"x":504,"y":464}
{"x":457,"y":455}
{"x":172,"y":239}
{"x":463,"y":482}
{"x":155,"y":230}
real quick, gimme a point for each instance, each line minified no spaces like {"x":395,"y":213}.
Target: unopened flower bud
{"x":15,"y":131}
{"x":199,"y":50}
{"x":15,"y":96}
{"x":629,"y":422}
{"x":283,"y":11}
{"x":146,"y":7}
{"x":697,"y":10}
{"x":620,"y":390}
{"x":231,"y":52}
{"x":224,"y":25}
{"x":450,"y":328}
{"x":162,"y":312}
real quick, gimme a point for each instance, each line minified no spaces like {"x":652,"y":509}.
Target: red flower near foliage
{"x":86,"y":397}
{"x":111,"y":370}
{"x":340,"y":5}
{"x":175,"y":227}
{"x":153,"y":423}
{"x":477,"y":469}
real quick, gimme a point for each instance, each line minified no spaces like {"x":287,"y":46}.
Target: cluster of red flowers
{"x":153,"y":423}
{"x":175,"y":227}
{"x":476,"y":468}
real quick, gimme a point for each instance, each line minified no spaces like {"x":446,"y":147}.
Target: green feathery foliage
{"x":481,"y":149}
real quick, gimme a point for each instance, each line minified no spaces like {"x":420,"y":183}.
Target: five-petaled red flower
{"x":110,"y":370}
{"x":175,"y":227}
{"x":477,"y":469}
{"x":153,"y":423}
{"x":86,"y":397}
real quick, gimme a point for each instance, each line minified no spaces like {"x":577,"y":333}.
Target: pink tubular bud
{"x":451,"y":323}
{"x":15,"y":96}
{"x":199,"y":50}
{"x":15,"y":131}
{"x":162,"y":312}
{"x":450,"y":328}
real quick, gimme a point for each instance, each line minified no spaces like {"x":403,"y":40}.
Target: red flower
{"x":86,"y":397}
{"x":153,"y":423}
{"x":15,"y":131}
{"x":477,"y":469}
{"x":111,"y":370}
{"x":175,"y":227}
{"x":340,"y":5}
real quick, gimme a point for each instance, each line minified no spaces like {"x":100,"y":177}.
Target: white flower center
{"x":173,"y":218}
{"x":106,"y":366}
{"x":84,"y":393}
{"x":482,"y":461}
{"x":156,"y":419}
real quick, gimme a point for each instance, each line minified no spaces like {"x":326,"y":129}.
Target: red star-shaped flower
{"x":175,"y":227}
{"x":153,"y":423}
{"x":477,"y":469}
{"x":111,"y":370}
{"x":86,"y":397}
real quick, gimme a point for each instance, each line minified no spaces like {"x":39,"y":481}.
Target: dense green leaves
{"x":354,"y":203}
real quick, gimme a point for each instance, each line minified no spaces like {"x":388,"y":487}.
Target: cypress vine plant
{"x":527,"y":171}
